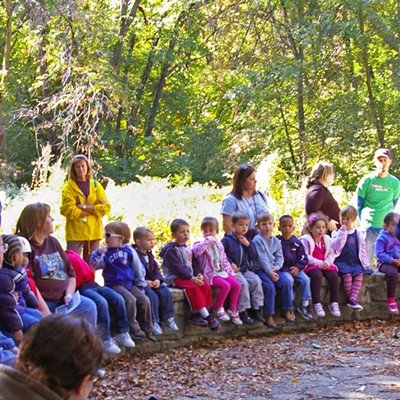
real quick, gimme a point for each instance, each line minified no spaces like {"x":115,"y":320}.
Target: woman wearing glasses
{"x":244,"y":197}
{"x":50,"y":265}
{"x":84,"y":203}
{"x":59,"y":359}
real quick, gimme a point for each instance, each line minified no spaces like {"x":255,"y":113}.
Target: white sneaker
{"x":319,"y":310}
{"x":124,"y":339}
{"x":334,"y":309}
{"x":111,"y":347}
{"x":170,"y":322}
{"x":157,"y":329}
{"x":234,"y":317}
{"x":222,"y":315}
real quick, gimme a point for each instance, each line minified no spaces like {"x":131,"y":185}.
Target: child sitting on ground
{"x":15,"y":316}
{"x":240,"y":251}
{"x":119,"y":261}
{"x":178,"y":272}
{"x":352,"y":259}
{"x":217,"y":271}
{"x":320,"y":263}
{"x":267,"y":265}
{"x":103,"y":296}
{"x":294,"y":262}
{"x":387,"y":250}
{"x":162,"y":306}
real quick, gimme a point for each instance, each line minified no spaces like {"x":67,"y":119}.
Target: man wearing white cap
{"x":377,"y":195}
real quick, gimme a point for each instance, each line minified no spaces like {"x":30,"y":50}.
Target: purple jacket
{"x":387,"y":248}
{"x":339,"y":239}
{"x":152,"y":270}
{"x":237,"y":252}
{"x":294,"y":254}
{"x":202,"y":251}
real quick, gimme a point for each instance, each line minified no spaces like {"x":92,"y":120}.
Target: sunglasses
{"x":244,"y":166}
{"x":3,"y":248}
{"x":109,"y":235}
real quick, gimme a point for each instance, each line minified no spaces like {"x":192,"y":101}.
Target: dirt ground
{"x":359,"y":360}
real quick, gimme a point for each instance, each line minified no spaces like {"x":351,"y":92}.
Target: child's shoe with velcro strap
{"x":234,"y":317}
{"x":354,"y":304}
{"x":197,"y":319}
{"x":213,"y":324}
{"x":170,"y":322}
{"x":334,"y":309}
{"x":246,"y":318}
{"x":303,"y":311}
{"x":258,"y":315}
{"x":319,"y":310}
{"x":222,"y":315}
{"x":392,"y":308}
{"x":157,"y":328}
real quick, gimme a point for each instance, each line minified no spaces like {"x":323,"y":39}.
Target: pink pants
{"x":229,"y":285}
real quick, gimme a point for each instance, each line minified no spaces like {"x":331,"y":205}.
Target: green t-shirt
{"x":380,"y":195}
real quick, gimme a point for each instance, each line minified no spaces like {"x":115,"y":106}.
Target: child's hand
{"x":396,"y":262}
{"x":197,"y":281}
{"x":156,"y":284}
{"x":102,"y":250}
{"x":343,"y":228}
{"x":325,"y":265}
{"x":18,"y":335}
{"x":150,"y":284}
{"x":234,"y":267}
{"x":243,"y":240}
{"x":274,"y":277}
{"x":67,"y":298}
{"x":275,"y":268}
{"x":200,"y":276}
{"x":294,"y":271}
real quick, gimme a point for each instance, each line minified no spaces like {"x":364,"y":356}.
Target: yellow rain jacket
{"x":83,"y":228}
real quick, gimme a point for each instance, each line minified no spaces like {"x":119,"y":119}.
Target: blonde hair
{"x":265,"y":216}
{"x":319,"y":171}
{"x":120,"y":228}
{"x":72,"y":173}
{"x":348,"y":211}
{"x":210,"y":222}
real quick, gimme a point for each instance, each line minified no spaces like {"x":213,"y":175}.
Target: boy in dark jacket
{"x":295,"y":260}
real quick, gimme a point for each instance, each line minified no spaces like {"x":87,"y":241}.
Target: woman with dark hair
{"x":59,"y":358}
{"x":318,"y":198}
{"x":84,"y":203}
{"x":244,"y":197}
{"x":50,"y":266}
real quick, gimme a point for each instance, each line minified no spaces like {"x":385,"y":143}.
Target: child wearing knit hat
{"x":15,"y":317}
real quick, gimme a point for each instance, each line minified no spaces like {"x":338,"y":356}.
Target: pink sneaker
{"x":392,"y":307}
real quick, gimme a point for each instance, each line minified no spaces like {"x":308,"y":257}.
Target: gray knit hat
{"x":14,"y":245}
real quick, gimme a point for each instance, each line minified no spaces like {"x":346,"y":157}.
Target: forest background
{"x":176,"y":94}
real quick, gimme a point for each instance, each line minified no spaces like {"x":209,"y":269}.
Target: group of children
{"x":247,"y":272}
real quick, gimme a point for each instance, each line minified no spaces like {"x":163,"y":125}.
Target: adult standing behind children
{"x":377,"y":195}
{"x":59,"y":359}
{"x":84,"y":203}
{"x":244,"y":197}
{"x":318,"y":197}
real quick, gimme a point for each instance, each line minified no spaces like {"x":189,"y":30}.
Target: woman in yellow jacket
{"x":84,"y":203}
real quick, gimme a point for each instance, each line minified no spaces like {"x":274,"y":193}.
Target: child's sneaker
{"x":139,"y":334}
{"x":157,"y":329}
{"x":234,"y":316}
{"x":246,"y":318}
{"x":303,"y":311}
{"x":392,"y":307}
{"x":353,"y":303}
{"x":334,"y":309}
{"x":258,"y":315}
{"x":124,"y":339}
{"x":170,"y":322}
{"x":222,"y":315}
{"x":319,"y":310}
{"x":213,"y":324}
{"x":109,"y":346}
{"x":197,"y":319}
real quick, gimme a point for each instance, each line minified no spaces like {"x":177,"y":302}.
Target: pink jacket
{"x":339,"y":238}
{"x":203,"y":253}
{"x":315,"y":263}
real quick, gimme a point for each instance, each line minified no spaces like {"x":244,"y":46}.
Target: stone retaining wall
{"x":372,"y":297}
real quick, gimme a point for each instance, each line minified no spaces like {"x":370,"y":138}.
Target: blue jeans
{"x":86,"y":309}
{"x":30,"y":317}
{"x":304,"y":283}
{"x":269,"y":288}
{"x":162,"y":306}
{"x":104,"y":297}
